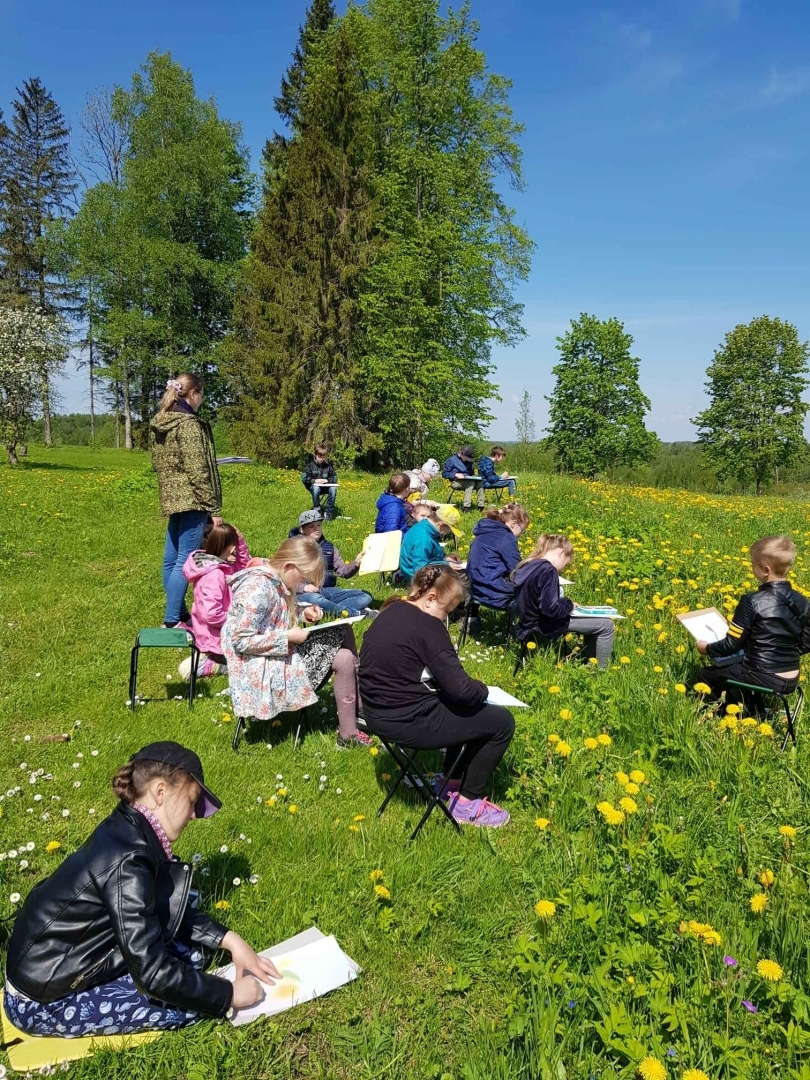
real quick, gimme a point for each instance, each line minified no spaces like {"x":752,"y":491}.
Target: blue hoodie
{"x":493,"y":556}
{"x":420,"y":547}
{"x":541,"y":609}
{"x":456,"y":464}
{"x":390,"y":513}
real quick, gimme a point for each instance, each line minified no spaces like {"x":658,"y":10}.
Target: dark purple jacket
{"x":541,"y":609}
{"x":493,"y":556}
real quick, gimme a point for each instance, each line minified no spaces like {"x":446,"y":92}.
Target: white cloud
{"x":781,"y":86}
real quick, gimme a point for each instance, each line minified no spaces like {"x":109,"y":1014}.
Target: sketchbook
{"x":324,"y":483}
{"x":380,"y":554}
{"x":234,"y":461}
{"x":705,"y":624}
{"x":566,"y":581}
{"x":310,"y":964}
{"x":334,"y":622}
{"x":596,"y":612}
{"x":500,"y":697}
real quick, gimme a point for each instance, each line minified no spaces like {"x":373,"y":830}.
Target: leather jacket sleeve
{"x":130,"y":896}
{"x":201,"y":930}
{"x":738,"y":630}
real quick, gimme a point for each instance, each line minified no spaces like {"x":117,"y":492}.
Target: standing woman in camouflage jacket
{"x":184,"y":460}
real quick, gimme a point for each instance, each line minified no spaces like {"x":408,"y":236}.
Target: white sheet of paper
{"x":707,"y":624}
{"x":308,"y":972}
{"x":324,"y":483}
{"x":334,"y":622}
{"x":500,"y":697}
{"x":585,"y":615}
{"x":381,"y":552}
{"x":566,"y":581}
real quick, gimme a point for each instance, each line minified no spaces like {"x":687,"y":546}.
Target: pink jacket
{"x":212,"y":594}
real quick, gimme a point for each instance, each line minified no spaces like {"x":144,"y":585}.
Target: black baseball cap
{"x":467,"y":453}
{"x":172,"y":753}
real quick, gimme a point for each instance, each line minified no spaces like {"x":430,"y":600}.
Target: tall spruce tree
{"x":754,"y":424}
{"x":319,"y":17}
{"x":38,"y":185}
{"x":597,"y":408}
{"x":440,"y":295}
{"x":294,"y":359}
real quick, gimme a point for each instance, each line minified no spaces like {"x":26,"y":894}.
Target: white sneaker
{"x":184,"y":669}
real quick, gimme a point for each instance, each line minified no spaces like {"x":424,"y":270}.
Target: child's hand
{"x":308,"y":588}
{"x":297,"y":635}
{"x":460,"y":475}
{"x":702,"y":647}
{"x":312,"y":614}
{"x":217,"y":520}
{"x":453,"y":559}
{"x":504,"y":476}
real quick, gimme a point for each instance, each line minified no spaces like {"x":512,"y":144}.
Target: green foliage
{"x":597,"y":408}
{"x":754,"y":425}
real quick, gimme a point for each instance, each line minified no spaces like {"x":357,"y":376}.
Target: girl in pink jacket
{"x":209,"y":571}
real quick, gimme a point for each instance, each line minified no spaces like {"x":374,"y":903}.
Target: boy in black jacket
{"x":320,"y":479}
{"x":770,"y":627}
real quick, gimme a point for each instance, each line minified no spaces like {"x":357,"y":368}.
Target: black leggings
{"x":717,"y":678}
{"x":487,"y":731}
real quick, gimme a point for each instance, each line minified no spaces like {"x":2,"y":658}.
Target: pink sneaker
{"x":480,"y":812}
{"x":359,"y":738}
{"x":211,"y":667}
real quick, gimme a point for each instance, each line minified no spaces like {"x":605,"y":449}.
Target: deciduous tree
{"x":32,"y":345}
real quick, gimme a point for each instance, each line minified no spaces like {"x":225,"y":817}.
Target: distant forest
{"x":675,"y":465}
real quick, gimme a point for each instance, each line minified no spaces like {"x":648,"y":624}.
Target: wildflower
{"x":552,"y":739}
{"x":542,"y":822}
{"x":628,"y":805}
{"x":603,"y":739}
{"x":658,"y":669}
{"x":52,"y":845}
{"x":765,"y":730}
{"x":14,"y":898}
{"x":748,"y":722}
{"x":750,"y":1006}
{"x":386,"y":776}
{"x":624,"y":659}
{"x":223,"y":849}
{"x":382,"y":893}
{"x":728,"y":723}
{"x":758,"y":902}
{"x":376,"y":875}
{"x":282,"y":791}
{"x":662,"y":637}
{"x":767,"y":878}
{"x":651,"y":1068}
{"x":354,"y":828}
{"x":545,"y":910}
{"x":565,"y":714}
{"x":695,"y":1074}
{"x":631,"y":789}
{"x":373,"y":750}
{"x":292,"y":808}
{"x":770,"y":970}
{"x":732,"y":710}
{"x":254,"y":879}
{"x":638,"y":777}
{"x":590,"y":744}
{"x":237,"y":881}
{"x":611,"y":815}
{"x":271,"y":801}
{"x":679,"y":686}
{"x":222,"y":905}
{"x":702,"y":688}
{"x":711,"y":937}
{"x":622,"y":778}
{"x":663,"y":691}
{"x":554,"y":689}
{"x":563,"y":749}
{"x":531,"y":645}
{"x":592,"y":661}
{"x":729,"y":961}
{"x":788,"y":832}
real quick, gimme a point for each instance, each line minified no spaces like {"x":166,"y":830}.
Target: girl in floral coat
{"x":274,"y":666}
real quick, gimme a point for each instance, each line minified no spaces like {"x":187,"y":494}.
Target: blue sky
{"x":665,"y":154}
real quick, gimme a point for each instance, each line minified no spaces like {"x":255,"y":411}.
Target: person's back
{"x":541,"y":609}
{"x":420,"y":546}
{"x":768,"y":626}
{"x":493,"y":556}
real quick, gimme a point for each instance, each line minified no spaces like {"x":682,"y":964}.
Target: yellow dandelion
{"x":531,"y":645}
{"x":554,"y":689}
{"x":631,"y":789}
{"x":767,"y":878}
{"x":382,"y":892}
{"x":282,"y":791}
{"x":651,"y":1068}
{"x":222,"y":905}
{"x":624,"y":659}
{"x":728,"y":723}
{"x":786,"y":830}
{"x":622,"y":778}
{"x":732,"y":710}
{"x":662,"y":637}
{"x":699,"y":927}
{"x":711,"y":937}
{"x":758,"y":902}
{"x":373,"y":750}
{"x":658,"y":669}
{"x":604,"y":739}
{"x":702,"y":688}
{"x":628,"y":805}
{"x":663,"y":691}
{"x":565,"y":714}
{"x":637,"y":776}
{"x":766,"y":731}
{"x":293,"y":809}
{"x":542,"y":822}
{"x":748,"y":722}
{"x":552,"y":739}
{"x":590,"y":744}
{"x":359,"y":817}
{"x":54,"y":845}
{"x":695,"y":1074}
{"x":562,"y":748}
{"x":679,"y":686}
{"x":770,"y":970}
{"x":545,"y":910}
{"x":271,"y":801}
{"x":376,"y":875}
{"x":592,"y":661}
{"x":354,"y":828}
{"x":386,"y":776}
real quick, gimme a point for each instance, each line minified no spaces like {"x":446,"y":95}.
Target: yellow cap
{"x":451,"y":517}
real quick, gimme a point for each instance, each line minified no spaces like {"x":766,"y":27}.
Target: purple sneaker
{"x":453,"y":785}
{"x":479,"y":812}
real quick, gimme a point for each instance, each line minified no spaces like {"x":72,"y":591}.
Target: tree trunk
{"x":46,"y":411}
{"x":759,"y":485}
{"x":92,"y":395}
{"x":11,"y":450}
{"x":127,"y":413}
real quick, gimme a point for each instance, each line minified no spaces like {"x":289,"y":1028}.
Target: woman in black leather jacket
{"x":109,"y":942}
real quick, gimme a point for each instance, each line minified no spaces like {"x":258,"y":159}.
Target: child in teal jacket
{"x":420,"y":545}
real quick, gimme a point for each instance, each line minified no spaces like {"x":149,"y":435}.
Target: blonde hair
{"x":776,"y":552}
{"x":510,"y":512}
{"x":178,"y":389}
{"x":305,"y":553}
{"x":442,"y":580}
{"x":545,"y":543}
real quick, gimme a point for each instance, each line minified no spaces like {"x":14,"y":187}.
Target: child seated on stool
{"x":493,"y":480}
{"x":320,"y":479}
{"x":329,"y":597}
{"x":770,"y":626}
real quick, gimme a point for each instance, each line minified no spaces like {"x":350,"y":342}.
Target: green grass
{"x":461,"y":980}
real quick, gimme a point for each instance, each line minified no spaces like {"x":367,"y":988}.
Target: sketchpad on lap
{"x":29,"y":1052}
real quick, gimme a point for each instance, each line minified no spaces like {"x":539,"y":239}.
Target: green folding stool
{"x":791,"y":717}
{"x":164,"y":637}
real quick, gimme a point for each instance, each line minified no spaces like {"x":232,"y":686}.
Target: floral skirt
{"x":114,"y":1008}
{"x":318,"y":652}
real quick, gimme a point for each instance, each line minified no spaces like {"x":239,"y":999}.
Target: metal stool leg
{"x":133,"y":675}
{"x":192,"y":682}
{"x":521,"y":657}
{"x":436,"y":798}
{"x":240,"y":723}
{"x":302,"y":720}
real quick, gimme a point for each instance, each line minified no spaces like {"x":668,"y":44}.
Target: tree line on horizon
{"x":353,"y":292}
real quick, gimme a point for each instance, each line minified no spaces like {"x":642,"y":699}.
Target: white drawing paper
{"x":705,"y":624}
{"x":500,"y":697}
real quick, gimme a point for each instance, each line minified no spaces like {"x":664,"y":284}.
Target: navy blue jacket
{"x":390,"y":513}
{"x":486,"y":470}
{"x":454,"y":465}
{"x":493,"y":556}
{"x":541,"y":609}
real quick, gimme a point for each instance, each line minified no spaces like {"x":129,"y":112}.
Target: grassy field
{"x":648,"y":962}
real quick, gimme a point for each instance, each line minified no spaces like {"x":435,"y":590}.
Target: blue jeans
{"x":184,"y":533}
{"x":336,"y":600}
{"x":114,"y":1008}
{"x":326,"y":494}
{"x":511,"y":484}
